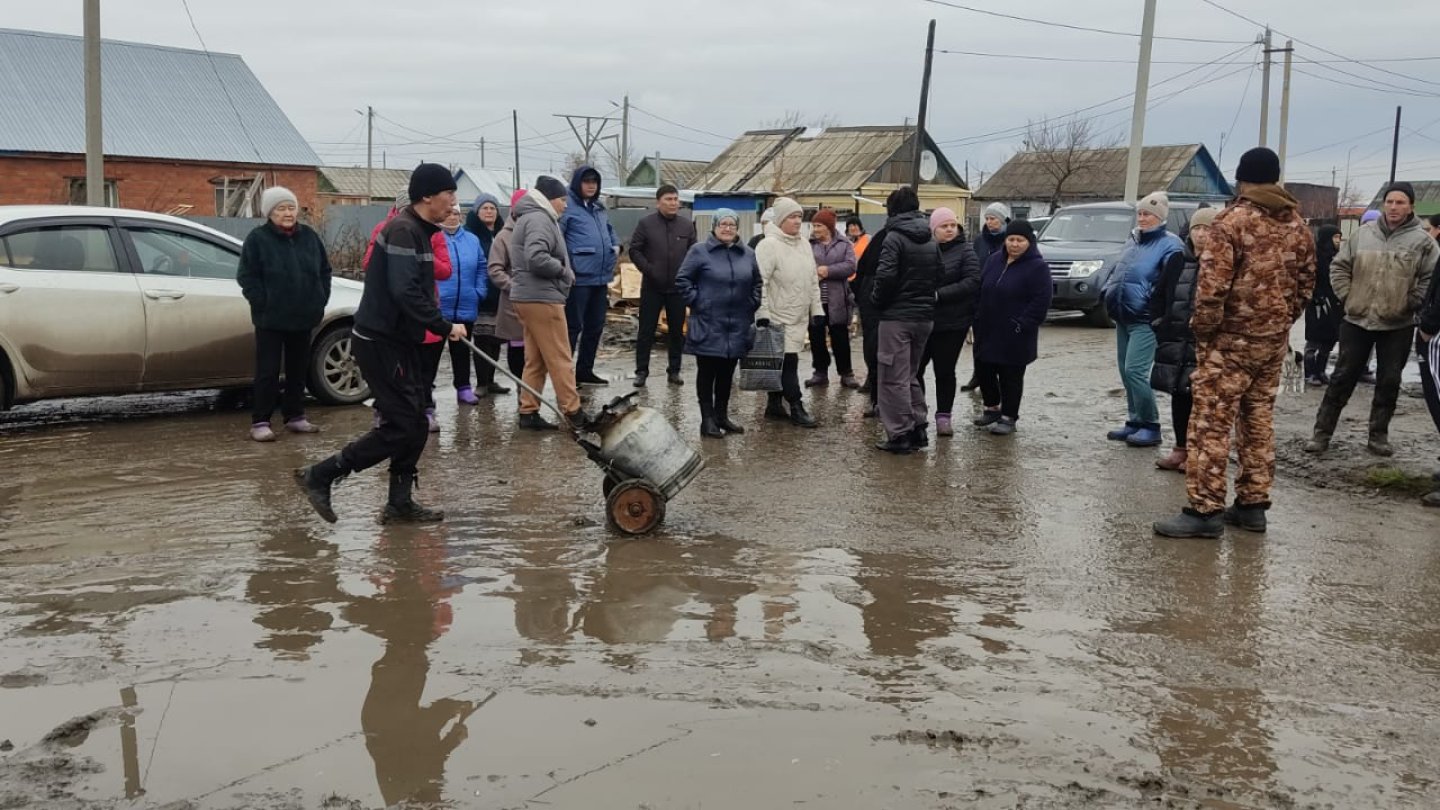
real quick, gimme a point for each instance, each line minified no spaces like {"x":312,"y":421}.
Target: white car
{"x":112,"y":301}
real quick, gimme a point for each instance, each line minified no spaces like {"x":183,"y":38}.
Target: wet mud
{"x":989,"y":624}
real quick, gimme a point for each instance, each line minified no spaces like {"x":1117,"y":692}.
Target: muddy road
{"x":989,"y":624}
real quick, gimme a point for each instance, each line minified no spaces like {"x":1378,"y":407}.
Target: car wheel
{"x":334,"y":375}
{"x":1099,"y":317}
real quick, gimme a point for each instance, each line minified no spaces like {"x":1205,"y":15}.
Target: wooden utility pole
{"x":624,"y":161}
{"x":482,"y":153}
{"x":94,"y":129}
{"x":1395,"y":146}
{"x":1265,"y":92}
{"x":1142,"y":95}
{"x":924,"y":109}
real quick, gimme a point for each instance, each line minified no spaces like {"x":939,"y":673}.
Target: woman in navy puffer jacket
{"x":460,"y":297}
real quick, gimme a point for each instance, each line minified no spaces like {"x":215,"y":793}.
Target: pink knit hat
{"x":515,"y":198}
{"x":940,"y":216}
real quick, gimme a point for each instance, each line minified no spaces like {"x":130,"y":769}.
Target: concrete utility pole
{"x":924,"y":108}
{"x":515,"y":127}
{"x":624,"y":161}
{"x":1395,"y":146}
{"x":1142,"y":94}
{"x":369,"y":153}
{"x":94,"y":129}
{"x":1265,"y":92}
{"x":482,"y":153}
{"x":1285,"y":105}
{"x":590,"y":138}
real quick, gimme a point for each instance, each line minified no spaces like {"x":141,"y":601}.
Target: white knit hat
{"x":272,"y":197}
{"x":785,"y":207}
{"x":1157,"y":203}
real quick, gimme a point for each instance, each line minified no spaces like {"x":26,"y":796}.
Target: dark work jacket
{"x":987,"y":243}
{"x":285,"y":277}
{"x":1014,"y":300}
{"x":909,"y":268}
{"x":1171,"y":305}
{"x":658,"y":247}
{"x":958,"y":287}
{"x":864,"y":280}
{"x":721,"y":285}
{"x":398,"y":304}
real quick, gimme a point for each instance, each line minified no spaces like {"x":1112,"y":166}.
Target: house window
{"x":77,"y":192}
{"x":1020,"y":212}
{"x":237,"y":196}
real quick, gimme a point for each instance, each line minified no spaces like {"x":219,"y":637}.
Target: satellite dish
{"x":929,"y":166}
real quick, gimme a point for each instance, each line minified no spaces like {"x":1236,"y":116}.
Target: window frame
{"x":123,"y":260}
{"x":112,"y":192}
{"x":124,"y":225}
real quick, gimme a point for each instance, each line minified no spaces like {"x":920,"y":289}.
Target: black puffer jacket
{"x":285,"y":277}
{"x":864,"y":280}
{"x":958,"y":287}
{"x":987,"y":243}
{"x":908,"y":272}
{"x":1171,"y":305}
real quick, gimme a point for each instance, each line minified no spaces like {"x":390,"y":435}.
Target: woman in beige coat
{"x":790,"y":298}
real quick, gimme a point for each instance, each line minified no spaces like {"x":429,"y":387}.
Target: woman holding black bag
{"x":720,"y":283}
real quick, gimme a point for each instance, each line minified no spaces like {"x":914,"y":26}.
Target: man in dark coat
{"x":658,"y":248}
{"x":396,"y":310}
{"x":903,"y":294}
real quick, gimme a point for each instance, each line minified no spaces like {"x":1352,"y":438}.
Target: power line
{"x":239,"y":119}
{"x":1066,"y":59}
{"x":1395,"y":90}
{"x":1239,"y":108}
{"x":634,"y":125}
{"x":1068,"y":26}
{"x":725,"y":138}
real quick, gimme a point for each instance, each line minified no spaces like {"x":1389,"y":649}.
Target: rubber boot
{"x":1190,"y":523}
{"x":318,"y":480}
{"x":775,"y":406}
{"x":722,"y":418}
{"x":1325,"y":421}
{"x":800,"y":417}
{"x":920,"y":436}
{"x":709,"y":428}
{"x":401,"y":507}
{"x":1249,"y":518}
{"x":1379,"y":443}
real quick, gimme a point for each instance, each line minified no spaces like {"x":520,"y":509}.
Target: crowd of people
{"x":1204,"y":319}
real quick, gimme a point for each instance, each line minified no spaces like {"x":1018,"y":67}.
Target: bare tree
{"x":1065,"y":149}
{"x":1351,"y":196}
{"x":619,"y":165}
{"x":573,"y":162}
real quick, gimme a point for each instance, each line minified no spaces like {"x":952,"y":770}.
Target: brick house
{"x":185,"y":132}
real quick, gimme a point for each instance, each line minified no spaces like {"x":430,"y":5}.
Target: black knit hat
{"x":430,"y":179}
{"x":1259,"y":165}
{"x":552,"y":188}
{"x":1021,"y":227}
{"x":1402,"y":187}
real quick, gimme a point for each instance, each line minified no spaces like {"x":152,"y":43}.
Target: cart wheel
{"x":634,"y":507}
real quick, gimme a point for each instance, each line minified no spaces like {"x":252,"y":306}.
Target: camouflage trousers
{"x":1234,"y":385}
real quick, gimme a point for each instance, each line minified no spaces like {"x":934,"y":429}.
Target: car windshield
{"x":1106,"y":225}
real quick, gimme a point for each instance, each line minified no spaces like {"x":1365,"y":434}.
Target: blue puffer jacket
{"x":721,"y":284}
{"x":462,"y":292}
{"x":588,"y":235}
{"x":1131,"y":284}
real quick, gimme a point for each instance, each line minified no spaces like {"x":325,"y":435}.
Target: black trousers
{"x":1180,"y":407}
{"x":430,"y":354}
{"x":870,"y":349}
{"x":460,"y":359}
{"x":944,"y":348}
{"x":1427,"y":381}
{"x":1002,"y":387}
{"x":652,"y":302}
{"x":789,"y":378}
{"x":515,"y":359}
{"x":1392,"y":350}
{"x":714,"y":380}
{"x":484,"y":372}
{"x":839,"y":335}
{"x":1317,"y":358}
{"x":394,"y":373}
{"x":276,"y":349}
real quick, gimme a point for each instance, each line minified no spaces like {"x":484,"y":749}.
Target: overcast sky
{"x":720,"y":68}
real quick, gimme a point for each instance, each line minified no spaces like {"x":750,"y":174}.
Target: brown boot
{"x":1175,"y":462}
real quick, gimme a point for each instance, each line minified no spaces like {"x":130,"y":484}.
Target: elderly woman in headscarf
{"x":791,"y":299}
{"x":485,"y":222}
{"x":720,"y":282}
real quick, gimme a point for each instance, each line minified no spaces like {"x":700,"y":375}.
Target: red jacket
{"x":443,"y":267}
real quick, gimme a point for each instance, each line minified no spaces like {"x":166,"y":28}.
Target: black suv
{"x":1082,"y":243}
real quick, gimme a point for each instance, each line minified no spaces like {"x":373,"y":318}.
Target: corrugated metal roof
{"x":1427,"y":197}
{"x":800,"y":160}
{"x":1102,"y":177}
{"x":678,"y":173}
{"x":159,"y":102}
{"x":350,"y":181}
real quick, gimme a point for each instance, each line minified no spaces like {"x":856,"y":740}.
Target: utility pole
{"x":1395,"y":147}
{"x":624,"y":161}
{"x":1137,"y":116}
{"x":515,"y":127}
{"x":94,"y":129}
{"x":369,"y":153}
{"x":1285,"y":105}
{"x":1265,"y":92}
{"x":592,"y":133}
{"x":657,"y":169}
{"x":924,"y":108}
{"x":482,"y":153}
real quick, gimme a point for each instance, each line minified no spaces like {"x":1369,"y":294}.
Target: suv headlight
{"x":1086,"y":269}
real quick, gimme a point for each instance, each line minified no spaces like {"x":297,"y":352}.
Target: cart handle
{"x":498,"y":367}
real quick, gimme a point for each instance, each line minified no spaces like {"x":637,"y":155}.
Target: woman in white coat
{"x":791,"y":298}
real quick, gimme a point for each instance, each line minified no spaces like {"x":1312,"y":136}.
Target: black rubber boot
{"x":534,"y":421}
{"x":1249,"y":518}
{"x":1325,"y":421}
{"x":1379,"y":443}
{"x":710,"y":429}
{"x":775,"y":406}
{"x":580,"y":422}
{"x":800,"y":417}
{"x":402,"y":507}
{"x":900,"y":445}
{"x":920,"y":436}
{"x":722,"y":418}
{"x":1190,"y":523}
{"x":318,"y":480}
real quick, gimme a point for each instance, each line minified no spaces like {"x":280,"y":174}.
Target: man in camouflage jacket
{"x":1256,"y":275}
